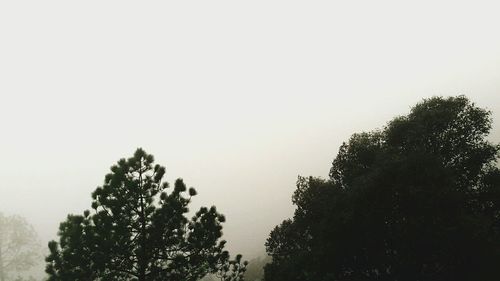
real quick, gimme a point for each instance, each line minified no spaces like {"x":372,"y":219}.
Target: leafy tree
{"x":139,"y":231}
{"x":19,"y":246}
{"x":418,"y":200}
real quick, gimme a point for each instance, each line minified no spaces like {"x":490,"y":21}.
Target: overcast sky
{"x":236,"y":97}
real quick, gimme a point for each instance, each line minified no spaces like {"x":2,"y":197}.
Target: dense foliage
{"x":418,"y":200}
{"x":138,"y":231}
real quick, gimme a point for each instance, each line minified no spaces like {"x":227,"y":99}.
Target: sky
{"x":238,"y":98}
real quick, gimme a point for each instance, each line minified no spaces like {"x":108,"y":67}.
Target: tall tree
{"x":19,"y":246}
{"x":139,"y":231}
{"x":418,"y":200}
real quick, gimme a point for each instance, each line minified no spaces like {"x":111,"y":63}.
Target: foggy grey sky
{"x":237,"y":98}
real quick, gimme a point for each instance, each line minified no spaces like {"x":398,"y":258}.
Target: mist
{"x":238,"y":99}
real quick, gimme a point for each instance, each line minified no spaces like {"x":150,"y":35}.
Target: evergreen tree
{"x":139,"y":231}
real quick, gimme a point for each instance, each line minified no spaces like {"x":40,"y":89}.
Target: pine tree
{"x":139,"y":231}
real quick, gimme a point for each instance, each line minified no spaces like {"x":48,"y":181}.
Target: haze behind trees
{"x":20,"y":249}
{"x":237,"y":97}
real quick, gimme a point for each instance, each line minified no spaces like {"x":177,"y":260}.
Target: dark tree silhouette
{"x":138,"y":231}
{"x":418,"y":200}
{"x":19,"y":246}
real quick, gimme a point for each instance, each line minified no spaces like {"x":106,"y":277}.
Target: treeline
{"x":418,"y":199}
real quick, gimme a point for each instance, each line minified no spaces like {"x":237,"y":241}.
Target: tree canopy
{"x":416,"y":200}
{"x":139,"y":231}
{"x":19,"y":246}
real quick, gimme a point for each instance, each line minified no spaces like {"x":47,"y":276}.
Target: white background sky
{"x":236,"y":97}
